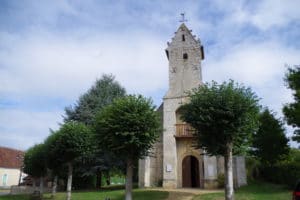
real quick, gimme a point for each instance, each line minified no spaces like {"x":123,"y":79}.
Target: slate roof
{"x":11,"y":158}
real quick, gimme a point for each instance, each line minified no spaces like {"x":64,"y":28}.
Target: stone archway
{"x":190,"y":172}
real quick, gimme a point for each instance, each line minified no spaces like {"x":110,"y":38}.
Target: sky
{"x":52,"y":51}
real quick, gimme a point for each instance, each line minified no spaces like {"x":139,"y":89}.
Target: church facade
{"x":174,"y":162}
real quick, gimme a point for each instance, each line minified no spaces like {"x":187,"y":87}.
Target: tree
{"x":128,"y":127}
{"x":292,"y":110}
{"x":101,"y":94}
{"x":53,"y":161}
{"x":72,"y":141}
{"x":269,"y":142}
{"x":35,"y":163}
{"x":224,"y":117}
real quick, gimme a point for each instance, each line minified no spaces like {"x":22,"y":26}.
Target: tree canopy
{"x":129,"y":126}
{"x":71,"y":141}
{"x":270,"y":142}
{"x":292,"y":110}
{"x":222,"y":114}
{"x":35,"y":161}
{"x":102,"y":93}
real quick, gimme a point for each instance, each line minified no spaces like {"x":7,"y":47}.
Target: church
{"x":174,"y":162}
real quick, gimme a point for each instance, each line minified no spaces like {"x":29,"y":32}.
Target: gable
{"x":183,"y":38}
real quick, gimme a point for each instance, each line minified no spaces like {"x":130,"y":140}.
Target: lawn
{"x":254,"y":191}
{"x":101,"y":195}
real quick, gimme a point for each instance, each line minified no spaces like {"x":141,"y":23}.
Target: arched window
{"x":183,"y":38}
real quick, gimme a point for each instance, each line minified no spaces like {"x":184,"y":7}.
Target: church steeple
{"x":184,"y":53}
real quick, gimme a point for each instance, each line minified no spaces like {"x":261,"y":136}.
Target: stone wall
{"x":239,"y":171}
{"x":169,"y":145}
{"x":151,"y":168}
{"x":26,"y":189}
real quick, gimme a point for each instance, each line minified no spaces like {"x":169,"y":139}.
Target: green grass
{"x":254,"y":191}
{"x":101,"y":195}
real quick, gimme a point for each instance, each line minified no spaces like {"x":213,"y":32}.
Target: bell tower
{"x":175,"y":162}
{"x":184,"y":53}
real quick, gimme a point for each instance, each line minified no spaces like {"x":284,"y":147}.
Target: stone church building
{"x":174,"y":162}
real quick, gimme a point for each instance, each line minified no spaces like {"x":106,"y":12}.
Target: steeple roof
{"x":183,"y":30}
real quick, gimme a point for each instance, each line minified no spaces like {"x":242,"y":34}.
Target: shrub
{"x":285,"y":173}
{"x":252,"y":167}
{"x":221,"y":180}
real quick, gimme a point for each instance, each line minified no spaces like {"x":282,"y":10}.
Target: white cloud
{"x":64,"y":67}
{"x":256,"y":64}
{"x":260,"y":66}
{"x":26,"y":128}
{"x":275,"y":13}
{"x":44,"y":65}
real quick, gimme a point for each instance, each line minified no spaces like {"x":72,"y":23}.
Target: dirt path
{"x":184,"y":194}
{"x":180,"y":196}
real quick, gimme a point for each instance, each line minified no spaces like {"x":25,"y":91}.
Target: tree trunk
{"x":99,"y":179}
{"x":34,"y":184}
{"x":20,"y":176}
{"x":69,"y":184}
{"x":54,"y":186}
{"x":41,"y":185}
{"x":129,"y":173}
{"x":229,"y":195}
{"x":108,"y":178}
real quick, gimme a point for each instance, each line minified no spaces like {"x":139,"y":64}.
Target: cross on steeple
{"x":183,"y":18}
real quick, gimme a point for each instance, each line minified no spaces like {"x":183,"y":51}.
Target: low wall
{"x":14,"y":189}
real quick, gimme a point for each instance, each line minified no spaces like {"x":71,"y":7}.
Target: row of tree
{"x":105,"y":129}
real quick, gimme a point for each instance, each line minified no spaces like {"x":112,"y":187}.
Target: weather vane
{"x":183,"y":18}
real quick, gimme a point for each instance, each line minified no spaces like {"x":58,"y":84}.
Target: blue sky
{"x":53,"y":51}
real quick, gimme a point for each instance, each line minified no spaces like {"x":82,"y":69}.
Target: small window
{"x":183,"y":38}
{"x":4,"y":180}
{"x":185,"y":56}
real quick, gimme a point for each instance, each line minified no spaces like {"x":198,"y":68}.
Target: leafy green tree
{"x":128,"y":127}
{"x":101,"y":94}
{"x":53,"y":161}
{"x":270,"y":142}
{"x":224,"y":116}
{"x":72,"y":141}
{"x":35,"y":163}
{"x":292,"y":110}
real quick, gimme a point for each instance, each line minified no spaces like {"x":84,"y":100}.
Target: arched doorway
{"x":190,"y":172}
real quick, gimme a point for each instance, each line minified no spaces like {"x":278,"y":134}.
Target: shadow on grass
{"x":99,"y":195}
{"x":254,"y":191}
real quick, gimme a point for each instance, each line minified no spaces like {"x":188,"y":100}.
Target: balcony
{"x":184,"y":131}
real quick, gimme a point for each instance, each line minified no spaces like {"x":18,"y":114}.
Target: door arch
{"x":190,"y":172}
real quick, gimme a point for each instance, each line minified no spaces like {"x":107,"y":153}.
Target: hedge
{"x":286,"y":173}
